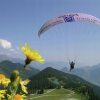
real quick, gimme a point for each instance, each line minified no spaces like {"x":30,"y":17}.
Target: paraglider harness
{"x":72,"y":64}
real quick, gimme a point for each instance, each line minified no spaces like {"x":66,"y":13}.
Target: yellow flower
{"x":2,"y":92}
{"x":18,"y":97}
{"x":31,"y":55}
{"x":2,"y":77}
{"x":3,"y":80}
{"x":23,"y":83}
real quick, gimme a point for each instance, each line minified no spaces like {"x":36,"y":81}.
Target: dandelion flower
{"x":31,"y":55}
{"x":2,"y":77}
{"x":18,"y":97}
{"x":3,"y":80}
{"x":23,"y":85}
{"x":2,"y":93}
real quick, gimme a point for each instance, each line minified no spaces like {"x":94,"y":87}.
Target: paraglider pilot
{"x":72,"y":64}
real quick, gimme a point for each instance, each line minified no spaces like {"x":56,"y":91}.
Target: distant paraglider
{"x":68,"y":17}
{"x":72,"y":64}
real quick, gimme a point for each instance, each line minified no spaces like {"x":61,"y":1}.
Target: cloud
{"x":6,"y":48}
{"x":5,"y":44}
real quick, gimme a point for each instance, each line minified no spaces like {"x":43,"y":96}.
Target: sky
{"x":20,"y":21}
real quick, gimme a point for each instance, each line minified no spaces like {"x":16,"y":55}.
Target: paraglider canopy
{"x":68,"y":17}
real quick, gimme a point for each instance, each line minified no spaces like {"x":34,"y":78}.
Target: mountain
{"x":77,"y":71}
{"x":6,"y":67}
{"x":12,"y":59}
{"x":94,"y":74}
{"x":90,"y":74}
{"x":50,"y":78}
{"x":54,"y":64}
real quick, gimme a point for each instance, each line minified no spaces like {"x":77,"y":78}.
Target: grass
{"x":58,"y":94}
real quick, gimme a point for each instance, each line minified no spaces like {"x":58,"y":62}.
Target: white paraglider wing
{"x":69,"y":17}
{"x":50,"y":24}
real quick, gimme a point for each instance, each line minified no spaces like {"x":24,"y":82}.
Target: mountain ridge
{"x":50,"y":78}
{"x":6,"y":67}
{"x":90,"y":74}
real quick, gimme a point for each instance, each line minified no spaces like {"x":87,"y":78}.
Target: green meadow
{"x":58,"y":94}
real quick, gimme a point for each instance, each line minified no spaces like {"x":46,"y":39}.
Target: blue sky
{"x":20,"y":21}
